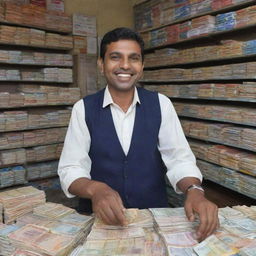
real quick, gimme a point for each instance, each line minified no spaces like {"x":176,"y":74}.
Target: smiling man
{"x":123,"y":141}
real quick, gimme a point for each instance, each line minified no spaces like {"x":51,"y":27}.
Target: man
{"x":121,"y":141}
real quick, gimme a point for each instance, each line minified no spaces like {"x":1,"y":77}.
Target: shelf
{"x":60,"y":31}
{"x":37,"y":105}
{"x":214,"y":98}
{"x":37,"y":46}
{"x":198,"y":38}
{"x":223,"y":196}
{"x":36,"y":81}
{"x":33,"y":64}
{"x":34,"y":128}
{"x":219,"y":120}
{"x":51,"y":136}
{"x":213,"y":80}
{"x":29,"y":162}
{"x":221,"y":142}
{"x":208,"y":61}
{"x":235,"y":179}
{"x":222,"y":10}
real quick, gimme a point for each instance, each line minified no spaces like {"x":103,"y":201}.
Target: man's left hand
{"x":196,"y":203}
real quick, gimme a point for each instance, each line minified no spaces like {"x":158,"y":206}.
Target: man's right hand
{"x":106,"y":202}
{"x":108,"y":205}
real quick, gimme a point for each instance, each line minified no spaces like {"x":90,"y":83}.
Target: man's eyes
{"x":131,"y":58}
{"x":114,"y":57}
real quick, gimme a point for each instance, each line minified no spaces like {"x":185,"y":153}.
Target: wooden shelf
{"x":219,"y":11}
{"x":223,"y":196}
{"x":36,"y":81}
{"x":45,"y":28}
{"x":213,"y":80}
{"x":211,"y":36}
{"x":26,"y":46}
{"x":221,"y":142}
{"x":34,"y":128}
{"x":214,"y":98}
{"x":219,"y":120}
{"x":34,"y":64}
{"x":208,"y":62}
{"x":36,"y":105}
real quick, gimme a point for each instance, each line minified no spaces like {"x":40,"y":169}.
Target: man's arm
{"x":74,"y":171}
{"x":182,"y":171}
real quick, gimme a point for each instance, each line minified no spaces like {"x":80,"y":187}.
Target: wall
{"x":109,"y":13}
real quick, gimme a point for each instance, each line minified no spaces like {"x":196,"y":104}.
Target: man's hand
{"x":108,"y":205}
{"x":106,"y":202}
{"x":196,"y":203}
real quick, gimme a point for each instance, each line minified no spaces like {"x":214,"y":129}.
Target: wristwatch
{"x":194,"y":186}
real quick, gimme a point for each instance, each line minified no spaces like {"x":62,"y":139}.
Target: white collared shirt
{"x":176,"y":154}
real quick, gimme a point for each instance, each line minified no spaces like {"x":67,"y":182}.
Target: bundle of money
{"x":17,"y":202}
{"x":134,"y":218}
{"x":41,"y":240}
{"x":52,"y":210}
{"x":214,"y":246}
{"x":6,"y":246}
{"x":247,"y":211}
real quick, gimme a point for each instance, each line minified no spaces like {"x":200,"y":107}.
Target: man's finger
{"x":189,"y":212}
{"x":214,"y":224}
{"x":201,"y":232}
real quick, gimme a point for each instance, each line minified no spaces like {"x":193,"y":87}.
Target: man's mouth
{"x":125,"y":75}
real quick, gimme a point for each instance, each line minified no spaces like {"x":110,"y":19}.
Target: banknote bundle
{"x":6,"y":246}
{"x":137,"y":238}
{"x":52,"y":210}
{"x":17,"y":202}
{"x":134,"y":217}
{"x":40,"y":239}
{"x":20,"y":120}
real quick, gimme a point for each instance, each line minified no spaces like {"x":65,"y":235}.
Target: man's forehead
{"x":124,"y":46}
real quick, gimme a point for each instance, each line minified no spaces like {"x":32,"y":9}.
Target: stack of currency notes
{"x":6,"y":246}
{"x":52,"y":210}
{"x":41,"y":240}
{"x":137,"y":238}
{"x":17,"y":202}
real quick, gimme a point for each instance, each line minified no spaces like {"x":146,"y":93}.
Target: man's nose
{"x":124,"y":63}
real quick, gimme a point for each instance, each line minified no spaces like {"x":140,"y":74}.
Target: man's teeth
{"x":124,"y":75}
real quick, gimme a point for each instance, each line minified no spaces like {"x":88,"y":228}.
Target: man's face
{"x":122,"y":65}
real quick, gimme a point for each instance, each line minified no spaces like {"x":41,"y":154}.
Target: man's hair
{"x":120,"y":34}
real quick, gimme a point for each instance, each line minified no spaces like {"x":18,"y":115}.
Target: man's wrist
{"x":194,"y":187}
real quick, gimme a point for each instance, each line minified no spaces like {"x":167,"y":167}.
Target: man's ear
{"x":100,"y":65}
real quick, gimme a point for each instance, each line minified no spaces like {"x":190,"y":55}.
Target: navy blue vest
{"x":139,"y":176}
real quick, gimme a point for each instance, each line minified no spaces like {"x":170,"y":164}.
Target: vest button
{"x":125,"y":161}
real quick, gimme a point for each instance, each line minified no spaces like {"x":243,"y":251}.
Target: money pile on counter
{"x":50,"y":229}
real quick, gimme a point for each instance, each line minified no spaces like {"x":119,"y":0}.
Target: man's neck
{"x":123,"y":99}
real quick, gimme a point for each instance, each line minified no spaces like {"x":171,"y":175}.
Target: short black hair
{"x":117,"y":34}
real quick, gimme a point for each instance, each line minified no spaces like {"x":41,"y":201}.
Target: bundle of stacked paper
{"x":10,"y":176}
{"x":34,"y":37}
{"x":17,"y":202}
{"x":221,"y":133}
{"x":235,"y":159}
{"x":33,"y":119}
{"x":199,"y":26}
{"x":230,"y":113}
{"x":35,"y":15}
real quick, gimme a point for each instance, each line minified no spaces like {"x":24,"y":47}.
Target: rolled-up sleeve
{"x":173,"y":146}
{"x":75,"y":162}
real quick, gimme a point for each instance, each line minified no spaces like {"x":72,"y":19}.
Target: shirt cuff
{"x":69,"y":175}
{"x":183,"y":171}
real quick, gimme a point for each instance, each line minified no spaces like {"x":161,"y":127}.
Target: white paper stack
{"x":17,"y":202}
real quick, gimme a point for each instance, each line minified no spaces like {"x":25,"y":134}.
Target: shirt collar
{"x":108,"y":98}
